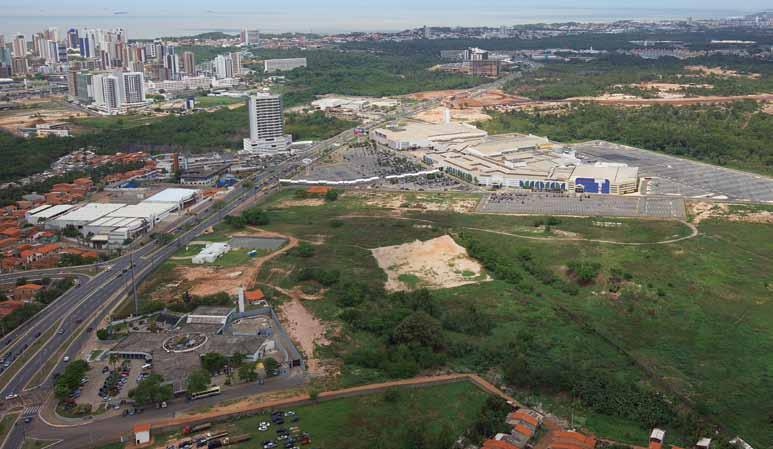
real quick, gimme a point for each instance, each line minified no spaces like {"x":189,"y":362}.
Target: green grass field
{"x":5,"y":425}
{"x":437,"y":413}
{"x":210,"y":101}
{"x":691,"y":319}
{"x":113,"y":122}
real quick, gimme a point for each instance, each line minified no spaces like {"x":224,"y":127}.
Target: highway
{"x":86,"y":304}
{"x":97,"y":293}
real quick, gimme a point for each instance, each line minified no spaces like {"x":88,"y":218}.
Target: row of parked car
{"x":288,"y":438}
{"x":115,"y":380}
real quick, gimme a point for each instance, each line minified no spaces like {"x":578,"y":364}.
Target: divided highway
{"x":95,"y":295}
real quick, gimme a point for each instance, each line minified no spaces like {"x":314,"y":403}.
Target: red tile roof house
{"x":39,"y":252}
{"x":26,"y":291}
{"x":6,"y":307}
{"x":9,"y":264}
{"x":254,"y":296}
{"x":525,"y":423}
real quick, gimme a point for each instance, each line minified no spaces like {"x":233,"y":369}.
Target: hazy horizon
{"x":339,"y":16}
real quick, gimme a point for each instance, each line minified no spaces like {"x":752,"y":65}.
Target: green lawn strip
{"x":6,"y":424}
{"x":28,"y":353}
{"x":210,"y":101}
{"x":375,"y":419}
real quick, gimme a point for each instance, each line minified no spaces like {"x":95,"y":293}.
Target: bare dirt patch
{"x":436,"y":263}
{"x":432,"y":94}
{"x":298,"y":203}
{"x":34,"y":113}
{"x":305,"y":329}
{"x":437,"y":115}
{"x":427,"y":202}
{"x":700,"y":211}
{"x":488,"y":98}
{"x":207,"y":280}
{"x":719,"y":71}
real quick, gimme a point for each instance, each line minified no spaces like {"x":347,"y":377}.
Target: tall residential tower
{"x":267,"y":135}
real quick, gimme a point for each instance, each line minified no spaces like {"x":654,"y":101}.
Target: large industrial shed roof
{"x":174,"y":195}
{"x":90,"y":212}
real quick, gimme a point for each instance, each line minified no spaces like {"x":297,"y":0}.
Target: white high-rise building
{"x":133,"y":87}
{"x":223,"y":67}
{"x":250,"y":37}
{"x":107,"y":93}
{"x":267,"y":135}
{"x":115,"y":93}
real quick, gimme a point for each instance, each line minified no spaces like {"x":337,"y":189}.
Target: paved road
{"x":89,"y":302}
{"x":93,"y":298}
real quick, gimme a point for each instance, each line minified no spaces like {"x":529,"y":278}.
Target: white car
{"x":10,"y":396}
{"x":66,"y":359}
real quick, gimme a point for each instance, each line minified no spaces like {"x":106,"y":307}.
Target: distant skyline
{"x":147,"y":19}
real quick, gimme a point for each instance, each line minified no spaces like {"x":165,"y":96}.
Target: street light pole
{"x":134,"y":284}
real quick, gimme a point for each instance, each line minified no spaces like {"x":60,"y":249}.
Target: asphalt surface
{"x":86,"y":304}
{"x":94,"y":296}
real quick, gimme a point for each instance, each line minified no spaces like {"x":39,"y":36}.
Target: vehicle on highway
{"x":11,"y":396}
{"x":213,"y":391}
{"x":66,"y":359}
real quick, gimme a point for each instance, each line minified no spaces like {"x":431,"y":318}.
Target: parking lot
{"x":90,"y":392}
{"x":676,"y":176}
{"x":582,"y":205}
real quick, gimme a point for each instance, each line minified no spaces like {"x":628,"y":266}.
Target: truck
{"x":198,"y":428}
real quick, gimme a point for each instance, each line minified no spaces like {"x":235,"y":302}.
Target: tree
{"x":103,"y":334}
{"x":331,"y":195}
{"x":270,"y":365}
{"x":236,"y":359}
{"x":218,"y":205}
{"x":150,"y":390}
{"x":419,"y":328}
{"x":213,"y":361}
{"x":247,"y":372}
{"x":71,"y":231}
{"x":198,"y":380}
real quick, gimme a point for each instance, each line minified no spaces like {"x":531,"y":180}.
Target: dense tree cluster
{"x":361,"y":73}
{"x":151,"y":390}
{"x":70,"y":379}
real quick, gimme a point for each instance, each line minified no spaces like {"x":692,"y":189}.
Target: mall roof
{"x":614,"y":173}
{"x":494,"y":146}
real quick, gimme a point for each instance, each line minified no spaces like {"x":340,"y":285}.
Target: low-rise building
{"x":26,"y":292}
{"x":283,"y":65}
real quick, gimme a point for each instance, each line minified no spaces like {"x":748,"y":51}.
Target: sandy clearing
{"x":426,"y":202}
{"x":719,"y":71}
{"x":701,"y":210}
{"x":432,"y":94}
{"x":297,"y":203}
{"x":437,"y":115}
{"x":306,"y":330}
{"x":437,"y":263}
{"x":207,"y":280}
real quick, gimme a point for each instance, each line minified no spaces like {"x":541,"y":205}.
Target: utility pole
{"x":134,"y":284}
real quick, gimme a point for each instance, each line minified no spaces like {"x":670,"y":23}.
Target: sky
{"x":148,"y":18}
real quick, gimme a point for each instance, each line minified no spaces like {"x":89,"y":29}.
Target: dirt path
{"x":249,"y":405}
{"x":671,"y":101}
{"x":693,"y":233}
{"x":305,"y":329}
{"x":208,"y":280}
